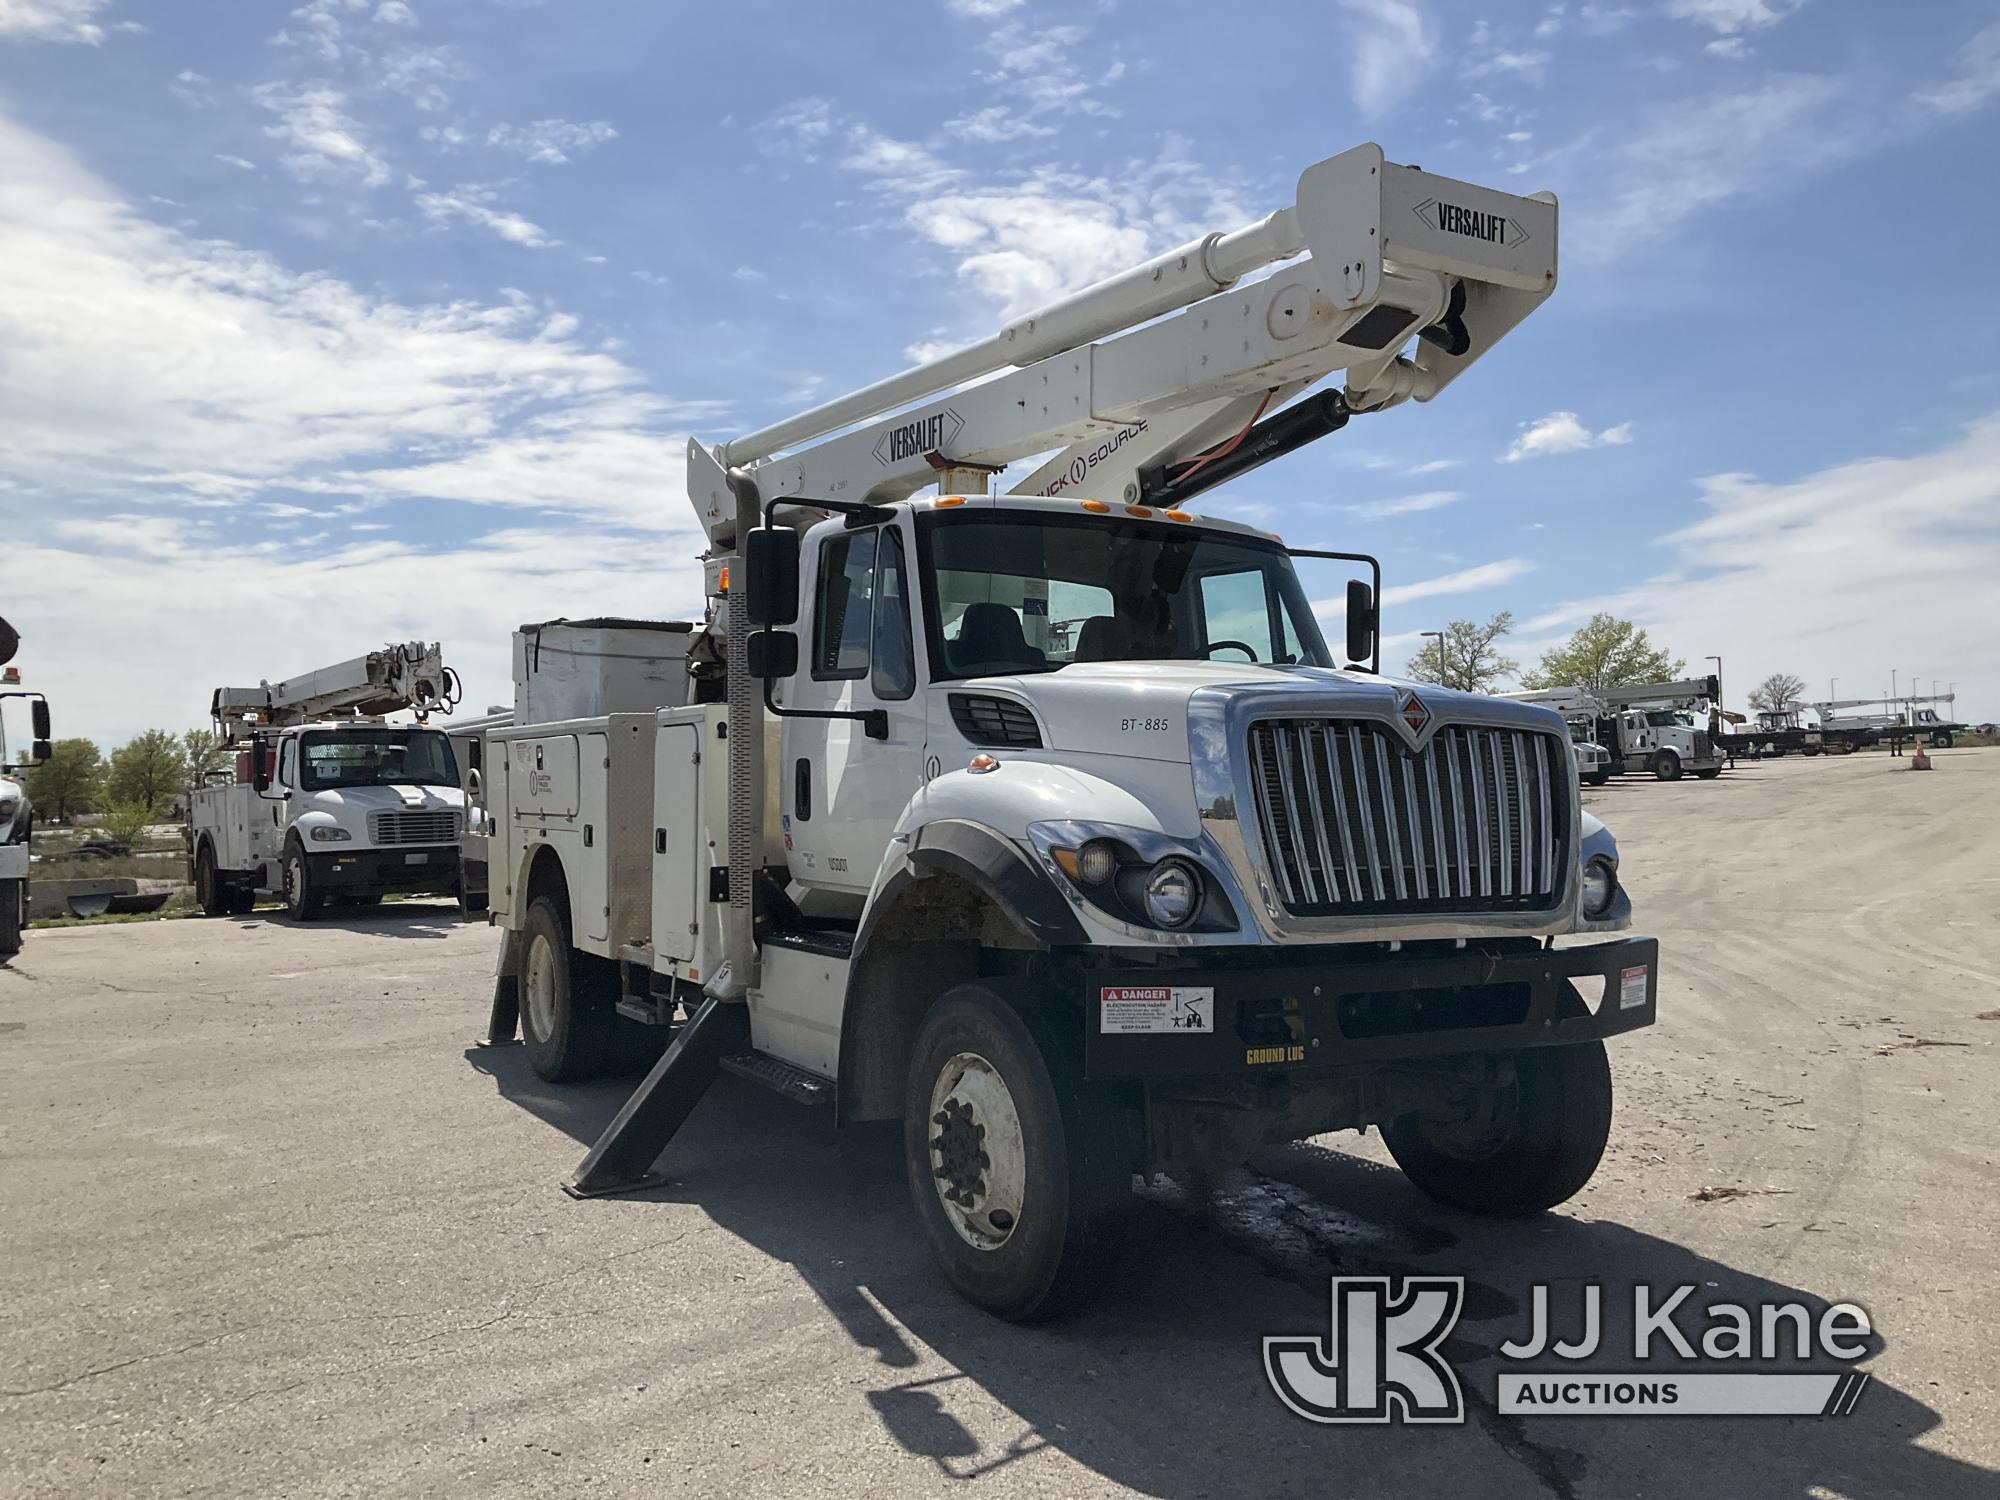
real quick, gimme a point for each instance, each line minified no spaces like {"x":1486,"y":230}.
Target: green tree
{"x":1607,"y":652}
{"x":126,"y":822}
{"x":147,"y":770}
{"x":1777,"y":692}
{"x":1466,"y":658}
{"x":202,"y":751}
{"x":69,"y":781}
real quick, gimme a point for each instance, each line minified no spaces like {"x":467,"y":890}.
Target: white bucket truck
{"x":17,"y":820}
{"x":330,"y":803}
{"x":1055,"y":829}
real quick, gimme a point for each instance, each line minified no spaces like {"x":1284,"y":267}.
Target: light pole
{"x":1444,"y":674}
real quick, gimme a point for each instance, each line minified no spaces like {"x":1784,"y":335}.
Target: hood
{"x":1139,"y":709}
{"x":366,"y":799}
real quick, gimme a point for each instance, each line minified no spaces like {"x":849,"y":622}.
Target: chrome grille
{"x":1478,"y":821}
{"x":429,"y":827}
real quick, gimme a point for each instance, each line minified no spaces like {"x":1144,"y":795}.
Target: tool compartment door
{"x":680,"y":848}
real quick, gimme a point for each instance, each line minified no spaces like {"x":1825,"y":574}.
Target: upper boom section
{"x":411,"y":675}
{"x":1163,"y":358}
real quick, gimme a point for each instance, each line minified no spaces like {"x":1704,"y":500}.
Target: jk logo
{"x":1381,"y":1362}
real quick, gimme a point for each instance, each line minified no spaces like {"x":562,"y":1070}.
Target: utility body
{"x":1644,"y":728}
{"x":1048,"y":823}
{"x":328,"y":802}
{"x":17,"y":814}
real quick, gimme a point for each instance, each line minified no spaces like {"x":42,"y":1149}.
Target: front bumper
{"x":433,"y":869}
{"x":1214,"y":1020}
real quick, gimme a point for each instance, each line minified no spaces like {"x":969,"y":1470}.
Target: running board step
{"x":795,"y":1083}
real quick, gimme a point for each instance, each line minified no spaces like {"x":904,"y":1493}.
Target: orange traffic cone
{"x":1920,"y":761}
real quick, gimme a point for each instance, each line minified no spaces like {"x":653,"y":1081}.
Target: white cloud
{"x":1975,"y":80}
{"x":476,"y":204}
{"x":1527,"y":65}
{"x":1393,"y":43}
{"x":981,"y":10}
{"x":394,"y":13}
{"x":237,"y":161}
{"x":1563,"y":432}
{"x":420,"y":74}
{"x":1408,"y":505}
{"x":1432,"y":466}
{"x":1464,"y":581}
{"x":322,"y":140}
{"x":1049,"y":70}
{"x":51,"y":21}
{"x":1732,"y":48}
{"x":1858,"y":568}
{"x":1729,"y":17}
{"x":802,"y":128}
{"x":997,"y":122}
{"x":550,"y":142}
{"x":147,"y":365}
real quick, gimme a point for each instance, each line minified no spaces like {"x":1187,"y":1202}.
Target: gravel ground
{"x":272,"y":1227}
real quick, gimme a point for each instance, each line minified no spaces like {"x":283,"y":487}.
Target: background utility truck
{"x":1140,"y":894}
{"x":17,"y":822}
{"x":1648,"y":726}
{"x":1582,"y":713}
{"x":329,"y":801}
{"x":1901,"y":719}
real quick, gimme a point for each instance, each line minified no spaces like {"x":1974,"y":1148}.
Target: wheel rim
{"x":979,"y":1162}
{"x":1482,"y":1134}
{"x":540,"y":984}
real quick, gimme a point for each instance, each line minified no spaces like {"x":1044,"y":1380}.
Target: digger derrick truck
{"x":17,"y":816}
{"x":1047,"y":822}
{"x":329,"y":802}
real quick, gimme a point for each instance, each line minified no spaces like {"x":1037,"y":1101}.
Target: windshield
{"x":375,"y":757}
{"x":1661,"y":718}
{"x":1032,"y":592}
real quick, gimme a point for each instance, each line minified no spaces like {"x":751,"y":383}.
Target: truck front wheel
{"x":566,"y":1016}
{"x":302,"y":898}
{"x":1667,"y":766}
{"x":1531,"y":1144}
{"x":1016,"y":1165}
{"x":13,"y":915}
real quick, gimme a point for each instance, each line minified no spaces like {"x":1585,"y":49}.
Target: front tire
{"x":13,"y":915}
{"x":566,"y":1011}
{"x":1540,"y":1144}
{"x":1597,"y":778}
{"x":303,"y":899}
{"x":1667,"y":766}
{"x":1018,"y":1168}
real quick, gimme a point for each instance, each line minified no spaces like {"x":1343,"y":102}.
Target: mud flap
{"x":622,"y":1159}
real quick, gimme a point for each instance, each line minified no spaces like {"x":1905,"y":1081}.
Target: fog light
{"x":1600,"y":887}
{"x":1096,"y":862}
{"x":1173,"y":894}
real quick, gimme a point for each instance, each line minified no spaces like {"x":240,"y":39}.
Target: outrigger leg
{"x":505,"y":1020}
{"x":622,"y":1160}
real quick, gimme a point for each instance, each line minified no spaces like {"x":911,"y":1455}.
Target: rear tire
{"x":13,"y":915}
{"x":566,"y":1008}
{"x":1544,"y":1144}
{"x":1667,"y":766}
{"x":1598,"y":778}
{"x":996,"y":1112}
{"x":1941,"y":740}
{"x":208,"y":887}
{"x":1708,"y":774}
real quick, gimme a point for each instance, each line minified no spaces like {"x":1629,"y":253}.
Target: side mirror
{"x":771,"y":577}
{"x":475,"y":753}
{"x":10,"y":642}
{"x":773,"y":654}
{"x":43,"y":750}
{"x":40,"y":713}
{"x":1361,"y":621}
{"x":260,"y":769}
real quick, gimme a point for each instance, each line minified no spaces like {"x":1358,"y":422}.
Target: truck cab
{"x":17,"y":814}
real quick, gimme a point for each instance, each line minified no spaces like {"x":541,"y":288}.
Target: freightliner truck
{"x":1049,"y":823}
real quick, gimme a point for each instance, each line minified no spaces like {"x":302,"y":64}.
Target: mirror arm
{"x":874,"y":721}
{"x":1375,"y":583}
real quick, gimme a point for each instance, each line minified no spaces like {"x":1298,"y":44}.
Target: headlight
{"x":1600,"y":887}
{"x":7,"y":806}
{"x":1173,"y":894}
{"x":331,"y":835}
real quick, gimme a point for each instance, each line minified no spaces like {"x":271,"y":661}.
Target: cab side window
{"x":893,"y":659}
{"x":288,"y":764}
{"x":843,"y":615}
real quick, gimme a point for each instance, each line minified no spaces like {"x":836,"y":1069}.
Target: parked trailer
{"x":1139,"y":894}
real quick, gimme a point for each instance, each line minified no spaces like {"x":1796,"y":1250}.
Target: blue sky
{"x":357,"y":319}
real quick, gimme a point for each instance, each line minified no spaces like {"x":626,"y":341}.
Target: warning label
{"x":1632,"y":988}
{"x":1127,"y":1010}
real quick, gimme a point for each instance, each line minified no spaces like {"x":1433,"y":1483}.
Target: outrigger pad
{"x":622,"y":1159}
